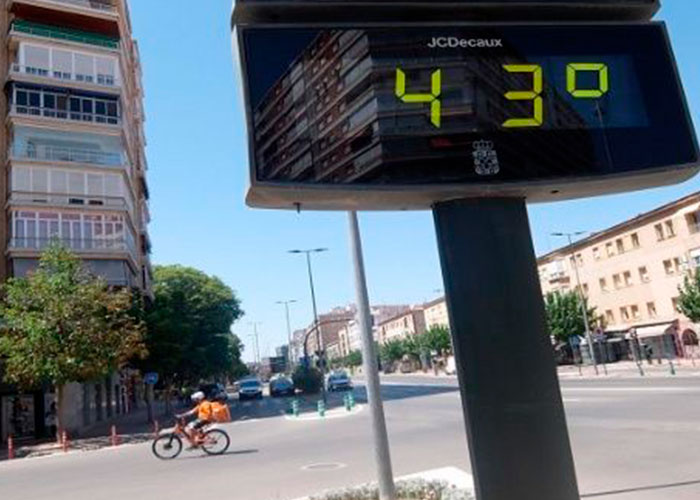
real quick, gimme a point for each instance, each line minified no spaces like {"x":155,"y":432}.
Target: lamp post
{"x":290,"y":355}
{"x":255,"y":338}
{"x":308,"y":253}
{"x":582,"y":299}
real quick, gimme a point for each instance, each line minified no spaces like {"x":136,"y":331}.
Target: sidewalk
{"x":131,"y":428}
{"x":629,"y":369}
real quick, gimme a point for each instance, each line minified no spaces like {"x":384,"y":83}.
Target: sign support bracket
{"x":513,"y":409}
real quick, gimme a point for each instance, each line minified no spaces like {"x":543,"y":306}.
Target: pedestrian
{"x":50,"y":419}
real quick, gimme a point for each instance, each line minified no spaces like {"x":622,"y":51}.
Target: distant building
{"x":436,"y":313}
{"x":631,"y":273}
{"x":330,"y":324}
{"x":403,"y":325}
{"x":349,"y":338}
{"x":282,"y":351}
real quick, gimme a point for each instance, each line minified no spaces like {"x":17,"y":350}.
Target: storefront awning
{"x":646,"y":332}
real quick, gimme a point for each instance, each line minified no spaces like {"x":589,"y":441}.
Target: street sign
{"x":150,"y":378}
{"x":403,"y":117}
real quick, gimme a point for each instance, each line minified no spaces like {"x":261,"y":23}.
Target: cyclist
{"x":203,"y":410}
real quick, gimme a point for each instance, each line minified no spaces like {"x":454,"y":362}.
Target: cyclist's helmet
{"x":197,"y":396}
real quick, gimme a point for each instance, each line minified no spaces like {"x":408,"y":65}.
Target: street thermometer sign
{"x":400,"y":117}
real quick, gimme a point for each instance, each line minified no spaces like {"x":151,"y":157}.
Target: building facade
{"x":631,"y":272}
{"x":406,"y":324}
{"x":329,"y":325}
{"x":436,"y":313}
{"x":75,"y":164}
{"x":350,"y":337}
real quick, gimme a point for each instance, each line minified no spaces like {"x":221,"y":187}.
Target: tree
{"x":437,"y":339}
{"x":391,"y":351}
{"x":354,"y":359}
{"x":564,"y":316}
{"x":189,"y":327}
{"x":689,"y":298}
{"x":63,"y":325}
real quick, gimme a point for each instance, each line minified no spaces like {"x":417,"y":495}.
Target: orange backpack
{"x":220,"y":412}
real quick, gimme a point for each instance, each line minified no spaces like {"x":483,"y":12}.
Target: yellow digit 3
{"x":533,"y":95}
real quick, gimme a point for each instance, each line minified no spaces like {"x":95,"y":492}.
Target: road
{"x":632,"y":438}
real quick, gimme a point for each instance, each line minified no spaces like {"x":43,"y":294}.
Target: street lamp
{"x":290,"y":355}
{"x":254,"y":335}
{"x":582,"y":300}
{"x":313,"y":291}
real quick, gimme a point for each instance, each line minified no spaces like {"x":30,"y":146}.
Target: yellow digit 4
{"x":533,"y":95}
{"x":432,"y":98}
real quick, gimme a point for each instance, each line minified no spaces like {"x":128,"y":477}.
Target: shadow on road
{"x":274,"y":407}
{"x":228,"y":453}
{"x":641,"y":488}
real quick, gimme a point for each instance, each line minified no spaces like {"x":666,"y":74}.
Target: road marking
{"x":323,"y":467}
{"x":630,"y":389}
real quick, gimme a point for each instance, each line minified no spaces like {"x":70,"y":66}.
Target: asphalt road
{"x":633,"y":439}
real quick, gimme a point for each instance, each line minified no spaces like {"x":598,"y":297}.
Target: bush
{"x":308,"y":380}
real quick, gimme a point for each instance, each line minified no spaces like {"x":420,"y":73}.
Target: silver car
{"x":250,"y":388}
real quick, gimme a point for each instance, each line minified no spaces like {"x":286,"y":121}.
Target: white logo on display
{"x":485,"y":158}
{"x":444,"y":42}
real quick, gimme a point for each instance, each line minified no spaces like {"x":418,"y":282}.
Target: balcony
{"x":64,"y":115}
{"x":105,"y":81}
{"x":92,"y":246}
{"x":64,"y":34}
{"x":102,"y":6}
{"x":27,"y":198}
{"x":69,"y":155}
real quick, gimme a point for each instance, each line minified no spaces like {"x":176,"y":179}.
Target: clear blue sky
{"x":198,"y":168}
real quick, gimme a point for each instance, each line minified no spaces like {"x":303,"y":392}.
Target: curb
{"x":330,"y":415}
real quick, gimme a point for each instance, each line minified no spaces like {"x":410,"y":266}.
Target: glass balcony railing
{"x":21,"y":109}
{"x":72,"y":200}
{"x":101,"y":80}
{"x":72,"y":155}
{"x":69,"y":35}
{"x":101,"y":5}
{"x":78,"y":245}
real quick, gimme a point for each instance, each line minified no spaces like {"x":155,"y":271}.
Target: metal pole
{"x":290,"y":355}
{"x":319,"y":337}
{"x":582,"y":300}
{"x":513,"y":412}
{"x":382,"y":455}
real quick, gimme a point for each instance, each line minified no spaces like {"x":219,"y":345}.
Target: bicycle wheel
{"x":167,"y":446}
{"x":215,"y":442}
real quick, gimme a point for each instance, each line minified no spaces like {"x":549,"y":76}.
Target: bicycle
{"x":168,"y":446}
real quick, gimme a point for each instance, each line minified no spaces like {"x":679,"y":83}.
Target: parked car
{"x":250,"y":388}
{"x":338,"y":381}
{"x":214,"y":392}
{"x":281,"y":385}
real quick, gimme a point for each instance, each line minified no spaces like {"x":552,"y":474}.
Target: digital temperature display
{"x":406,"y":116}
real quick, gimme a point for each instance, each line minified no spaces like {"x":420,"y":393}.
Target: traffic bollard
{"x":346,"y":401}
{"x":321,"y":408}
{"x":64,"y":441}
{"x":114,"y":436}
{"x":351,"y":397}
{"x":10,"y":447}
{"x":295,"y":408}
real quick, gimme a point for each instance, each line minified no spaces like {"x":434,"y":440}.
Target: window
{"x":643,"y":274}
{"x":628,"y":278}
{"x":651,"y":309}
{"x":603,"y":284}
{"x":596,"y":253}
{"x":635,"y":312}
{"x":617,"y":281}
{"x":670,"y":231}
{"x":695,"y":257}
{"x":609,"y":249}
{"x":659,"y":230}
{"x":634,"y":237}
{"x":668,"y":266}
{"x":693,"y":221}
{"x":674,"y":304}
{"x":677,"y":264}
{"x":585,"y":289}
{"x":620,"y":245}
{"x":609,"y":316}
{"x":624,"y":314}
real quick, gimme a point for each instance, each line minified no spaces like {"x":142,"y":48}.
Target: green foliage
{"x":437,"y":339}
{"x":564,"y":315}
{"x":689,"y":299}
{"x":189,"y":337}
{"x":353,"y":359}
{"x":63,"y":325}
{"x":308,"y":380}
{"x":391,"y":351}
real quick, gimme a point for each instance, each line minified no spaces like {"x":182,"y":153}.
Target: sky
{"x":198,"y":169}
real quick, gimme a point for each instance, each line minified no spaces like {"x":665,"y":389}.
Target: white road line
{"x":630,"y":389}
